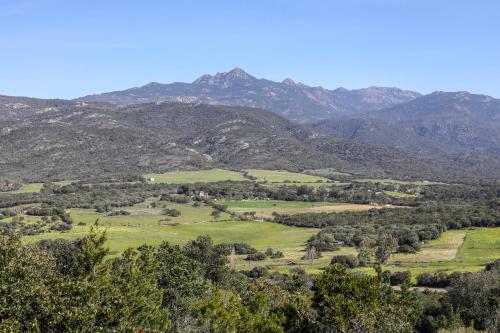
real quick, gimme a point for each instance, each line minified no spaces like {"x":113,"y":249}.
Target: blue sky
{"x":73,"y":48}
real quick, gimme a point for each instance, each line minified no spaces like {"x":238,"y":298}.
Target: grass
{"x":30,"y":188}
{"x":442,"y":249}
{"x":453,"y":251}
{"x":292,"y":254}
{"x":400,"y":194}
{"x":205,"y":176}
{"x":279,"y":176}
{"x":266,"y":208}
{"x":258,"y":234}
{"x":143,"y":215}
{"x":327,"y":172}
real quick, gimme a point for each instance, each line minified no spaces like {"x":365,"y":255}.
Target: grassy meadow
{"x":455,"y":250}
{"x":30,"y":188}
{"x":279,"y":176}
{"x":266,"y":208}
{"x":202,"y":176}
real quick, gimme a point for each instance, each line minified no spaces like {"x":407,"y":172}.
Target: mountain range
{"x":442,"y":123}
{"x":234,"y":120}
{"x":295,"y":101}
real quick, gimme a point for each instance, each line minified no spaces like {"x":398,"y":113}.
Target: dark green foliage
{"x":243,"y":248}
{"x":436,"y":280}
{"x":409,"y":226}
{"x":40,"y":293}
{"x":212,"y":257}
{"x":171,"y":212}
{"x":493,"y":266}
{"x":348,"y":261}
{"x":323,"y":242}
{"x":398,"y":278}
{"x":476,"y":298}
{"x":257,"y":256}
{"x":340,"y":296}
{"x":277,"y":254}
{"x":257,"y":272}
{"x":66,"y":286}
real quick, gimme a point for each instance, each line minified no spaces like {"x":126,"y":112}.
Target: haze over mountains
{"x":159,"y":127}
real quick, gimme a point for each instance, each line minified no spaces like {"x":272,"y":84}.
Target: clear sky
{"x":74,"y":47}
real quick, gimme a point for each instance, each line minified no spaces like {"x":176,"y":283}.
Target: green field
{"x":453,"y":251}
{"x":279,"y":176}
{"x":400,"y":194}
{"x":203,"y":176}
{"x":30,"y":188}
{"x":258,"y":234}
{"x":327,"y":172}
{"x":147,"y":225}
{"x":266,"y":208}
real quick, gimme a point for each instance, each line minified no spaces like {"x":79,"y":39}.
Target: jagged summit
{"x":293,"y":100}
{"x":236,"y":74}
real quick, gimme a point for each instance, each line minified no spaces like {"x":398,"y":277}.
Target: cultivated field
{"x":266,"y":208}
{"x":202,"y":176}
{"x":454,"y":251}
{"x":277,"y":176}
{"x":146,"y":223}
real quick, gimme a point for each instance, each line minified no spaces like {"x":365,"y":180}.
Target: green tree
{"x":212,"y":257}
{"x":340,"y":296}
{"x":386,"y":246}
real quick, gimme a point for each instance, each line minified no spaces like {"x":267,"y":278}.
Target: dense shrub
{"x":256,"y":256}
{"x":398,"y":278}
{"x":349,"y":261}
{"x":171,"y":212}
{"x":243,"y":248}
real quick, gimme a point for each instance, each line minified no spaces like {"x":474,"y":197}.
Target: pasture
{"x":260,"y":235}
{"x":396,"y":194}
{"x":266,"y":208}
{"x":280,"y":176}
{"x":30,"y":188}
{"x":455,"y":251}
{"x":201,"y":176}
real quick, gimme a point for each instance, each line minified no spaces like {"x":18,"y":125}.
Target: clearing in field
{"x":202,"y":176}
{"x":279,"y":176}
{"x":30,"y":188}
{"x":396,"y":194}
{"x":266,"y":208}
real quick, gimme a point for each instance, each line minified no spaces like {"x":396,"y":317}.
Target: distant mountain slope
{"x":294,"y":101}
{"x":438,"y":123}
{"x":85,"y":140}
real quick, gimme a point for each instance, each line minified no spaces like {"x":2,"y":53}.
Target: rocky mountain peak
{"x":225,"y":78}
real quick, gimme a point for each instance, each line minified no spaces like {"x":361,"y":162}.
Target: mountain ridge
{"x":438,"y":123}
{"x":295,"y":101}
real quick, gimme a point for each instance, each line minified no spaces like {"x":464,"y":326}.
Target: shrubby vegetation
{"x":410,"y":227}
{"x":61,"y":286}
